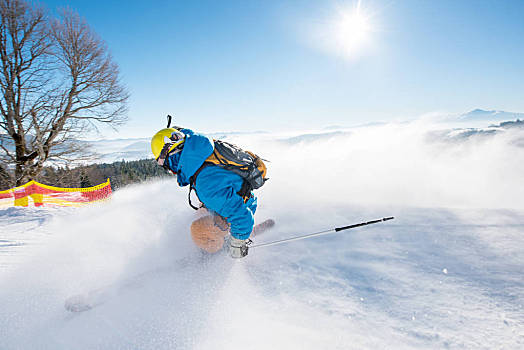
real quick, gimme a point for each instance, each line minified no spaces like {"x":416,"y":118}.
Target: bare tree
{"x":57,"y":81}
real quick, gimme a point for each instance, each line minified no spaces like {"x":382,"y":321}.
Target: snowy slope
{"x":446,"y":273}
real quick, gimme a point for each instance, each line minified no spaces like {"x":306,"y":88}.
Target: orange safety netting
{"x":41,"y":194}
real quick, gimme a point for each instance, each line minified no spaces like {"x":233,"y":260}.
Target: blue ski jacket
{"x":215,"y":187}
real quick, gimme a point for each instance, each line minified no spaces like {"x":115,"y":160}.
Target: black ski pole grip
{"x":168,"y":121}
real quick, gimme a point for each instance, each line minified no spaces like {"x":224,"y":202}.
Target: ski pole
{"x":333,"y":230}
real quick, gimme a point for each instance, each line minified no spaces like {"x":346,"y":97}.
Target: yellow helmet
{"x":166,"y":136}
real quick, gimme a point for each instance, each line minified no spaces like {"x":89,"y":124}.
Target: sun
{"x":346,"y":29}
{"x":351,"y":30}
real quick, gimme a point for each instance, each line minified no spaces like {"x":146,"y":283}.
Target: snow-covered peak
{"x":493,"y":115}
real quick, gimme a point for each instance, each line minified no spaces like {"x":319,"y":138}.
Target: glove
{"x":237,"y":248}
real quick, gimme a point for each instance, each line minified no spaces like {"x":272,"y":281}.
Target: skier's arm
{"x":216,"y":189}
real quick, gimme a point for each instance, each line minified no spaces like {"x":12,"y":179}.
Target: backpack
{"x":247,"y":165}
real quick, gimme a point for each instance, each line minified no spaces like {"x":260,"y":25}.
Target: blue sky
{"x":274,"y":65}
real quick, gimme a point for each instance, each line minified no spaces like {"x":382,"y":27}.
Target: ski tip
{"x":388,"y":218}
{"x":263,"y":226}
{"x":77,"y":303}
{"x":270,"y":222}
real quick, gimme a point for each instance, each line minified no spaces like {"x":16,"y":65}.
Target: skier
{"x":184,"y":152}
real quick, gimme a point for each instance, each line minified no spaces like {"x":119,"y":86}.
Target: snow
{"x":446,"y":273}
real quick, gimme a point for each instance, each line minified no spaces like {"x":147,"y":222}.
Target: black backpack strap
{"x":189,"y":198}
{"x":192,"y":181}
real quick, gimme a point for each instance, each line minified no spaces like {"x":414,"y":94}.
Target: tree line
{"x":120,"y":173}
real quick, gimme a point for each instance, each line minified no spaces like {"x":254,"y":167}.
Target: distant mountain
{"x":313,"y":137}
{"x":464,"y":133}
{"x":128,"y":149}
{"x":512,"y":124}
{"x":495,"y":116}
{"x":477,"y":122}
{"x":140,"y":148}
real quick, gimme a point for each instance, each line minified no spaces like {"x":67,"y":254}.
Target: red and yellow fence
{"x":41,"y":194}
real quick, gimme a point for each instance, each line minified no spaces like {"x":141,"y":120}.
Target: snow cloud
{"x":400,"y":164}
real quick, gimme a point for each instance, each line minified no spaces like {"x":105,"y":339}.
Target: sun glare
{"x":351,"y":30}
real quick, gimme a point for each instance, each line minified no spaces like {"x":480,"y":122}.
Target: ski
{"x":263,"y":227}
